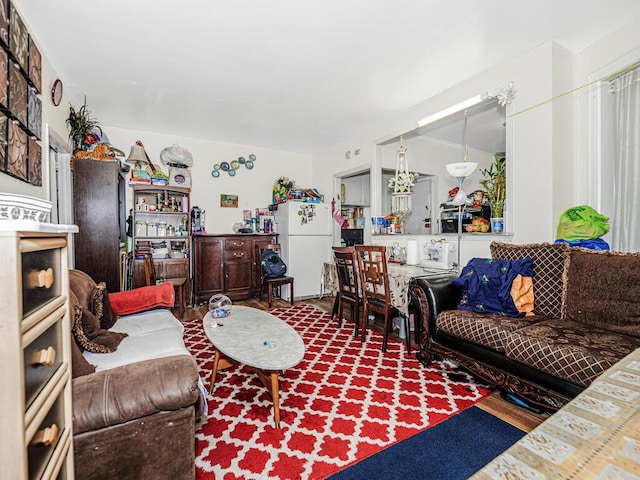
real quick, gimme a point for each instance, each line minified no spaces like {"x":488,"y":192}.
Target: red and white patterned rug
{"x":344,"y":402}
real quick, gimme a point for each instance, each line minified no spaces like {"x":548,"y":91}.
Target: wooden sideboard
{"x":227,"y":264}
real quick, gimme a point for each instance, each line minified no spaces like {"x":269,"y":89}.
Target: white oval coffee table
{"x":257,"y":339}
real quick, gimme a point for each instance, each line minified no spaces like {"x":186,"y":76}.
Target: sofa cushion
{"x":143,"y":298}
{"x":550,"y":266}
{"x":88,"y":334}
{"x":101,"y":307}
{"x":488,"y":330}
{"x":79,"y":365}
{"x":152,"y":334}
{"x":81,"y":285}
{"x":603,"y":290}
{"x":569,"y":350}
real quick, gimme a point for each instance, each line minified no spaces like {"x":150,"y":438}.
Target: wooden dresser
{"x":35,"y":358}
{"x":227,"y":264}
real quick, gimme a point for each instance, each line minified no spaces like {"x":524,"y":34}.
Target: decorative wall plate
{"x":224,"y":166}
{"x":249,"y":164}
{"x":4,"y":22}
{"x":17,"y":152}
{"x":216,"y":166}
{"x":34,"y":114}
{"x":252,"y":157}
{"x":35,"y":163}
{"x":4,"y":78}
{"x":232,"y":172}
{"x":235,"y":164}
{"x":215,"y":173}
{"x":17,"y":93}
{"x":35,"y":65}
{"x":241,"y":160}
{"x":18,"y":38}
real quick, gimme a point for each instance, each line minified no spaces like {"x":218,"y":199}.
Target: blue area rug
{"x":454,"y":449}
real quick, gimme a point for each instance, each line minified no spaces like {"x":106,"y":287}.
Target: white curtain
{"x":625,"y":224}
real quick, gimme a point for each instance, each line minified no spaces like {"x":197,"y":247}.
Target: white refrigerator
{"x":305,"y":236}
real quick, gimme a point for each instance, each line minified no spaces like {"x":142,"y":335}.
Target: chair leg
{"x":365,"y":319}
{"x":291,"y":290}
{"x":270,"y":294}
{"x":407,"y":333}
{"x":356,"y":320}
{"x":385,"y":335}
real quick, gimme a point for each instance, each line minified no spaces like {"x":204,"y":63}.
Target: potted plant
{"x":494,"y":182}
{"x":83,"y":130}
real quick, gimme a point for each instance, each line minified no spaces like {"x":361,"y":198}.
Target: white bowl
{"x":22,"y":207}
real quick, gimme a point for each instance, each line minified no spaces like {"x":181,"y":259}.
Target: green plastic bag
{"x":582,"y":223}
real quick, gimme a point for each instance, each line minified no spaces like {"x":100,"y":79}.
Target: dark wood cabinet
{"x":227,"y":264}
{"x":208,"y":277}
{"x":100,"y":213}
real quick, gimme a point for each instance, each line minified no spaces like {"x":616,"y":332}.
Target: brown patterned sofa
{"x":586,"y":318}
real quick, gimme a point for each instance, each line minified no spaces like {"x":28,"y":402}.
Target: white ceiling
{"x":293,"y":75}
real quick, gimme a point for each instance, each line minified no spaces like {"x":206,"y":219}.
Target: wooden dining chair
{"x":348,"y":284}
{"x":374,"y":282}
{"x":271,"y":283}
{"x":179,"y":284}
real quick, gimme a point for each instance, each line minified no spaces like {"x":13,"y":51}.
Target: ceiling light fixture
{"x":469,"y":102}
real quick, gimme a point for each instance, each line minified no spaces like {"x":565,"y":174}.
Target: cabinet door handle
{"x":44,"y":357}
{"x":239,"y":255}
{"x":238,"y":244}
{"x":39,"y":278}
{"x":46,"y":436}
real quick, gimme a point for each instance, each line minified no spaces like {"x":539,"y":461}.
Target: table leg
{"x":270,"y":380}
{"x":214,"y":371}
{"x":275,"y":395}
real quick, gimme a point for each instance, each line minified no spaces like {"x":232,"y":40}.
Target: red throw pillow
{"x":141,"y":299}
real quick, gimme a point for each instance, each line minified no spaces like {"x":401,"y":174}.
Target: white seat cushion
{"x":152,"y":334}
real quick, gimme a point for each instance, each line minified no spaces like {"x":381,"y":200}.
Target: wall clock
{"x":56,"y":92}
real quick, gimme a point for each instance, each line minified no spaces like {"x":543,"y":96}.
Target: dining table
{"x":400,"y":277}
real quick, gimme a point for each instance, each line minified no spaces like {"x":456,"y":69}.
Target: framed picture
{"x":4,"y":78}
{"x":17,"y":152}
{"x":4,"y":122}
{"x":17,"y":93}
{"x":18,"y":38}
{"x":4,"y":22}
{"x":35,"y":163}
{"x":228,"y":201}
{"x":34,"y":114}
{"x":35,"y":65}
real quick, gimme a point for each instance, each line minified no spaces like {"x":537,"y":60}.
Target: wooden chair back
{"x":149,"y":270}
{"x":347,"y":272}
{"x":374,"y":282}
{"x":374,"y":279}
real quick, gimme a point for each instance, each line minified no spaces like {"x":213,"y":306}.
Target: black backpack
{"x":272,"y":264}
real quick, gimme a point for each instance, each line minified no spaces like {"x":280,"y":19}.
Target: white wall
{"x":530,"y":206}
{"x":253,"y":187}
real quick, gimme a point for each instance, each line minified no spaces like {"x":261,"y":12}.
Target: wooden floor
{"x":494,"y":404}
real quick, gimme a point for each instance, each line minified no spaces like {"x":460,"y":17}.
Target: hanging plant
{"x":83,"y":129}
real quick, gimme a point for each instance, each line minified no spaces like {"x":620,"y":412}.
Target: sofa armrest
{"x":112,"y":397}
{"x":430,"y":297}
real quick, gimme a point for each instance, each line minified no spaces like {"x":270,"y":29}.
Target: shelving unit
{"x":161,"y":226}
